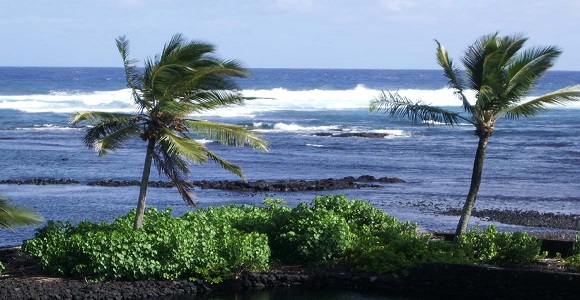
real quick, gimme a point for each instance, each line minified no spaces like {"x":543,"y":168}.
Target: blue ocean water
{"x":531,"y":164}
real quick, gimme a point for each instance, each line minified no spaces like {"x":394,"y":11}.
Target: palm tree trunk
{"x":144,"y":182}
{"x":474,"y":188}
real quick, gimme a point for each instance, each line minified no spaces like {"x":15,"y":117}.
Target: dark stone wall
{"x":436,"y":281}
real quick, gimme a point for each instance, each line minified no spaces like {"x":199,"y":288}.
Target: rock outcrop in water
{"x":39,"y":181}
{"x":287,"y":185}
{"x":372,"y":135}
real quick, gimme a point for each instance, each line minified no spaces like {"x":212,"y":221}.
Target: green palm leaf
{"x":226,"y":165}
{"x":453,"y":74}
{"x":524,"y":72}
{"x":401,"y":107}
{"x":226,"y":134}
{"x":12,"y":215}
{"x":109,"y":130}
{"x":540,"y":104}
{"x":170,"y":163}
{"x":183,"y":146}
{"x":131,"y":72}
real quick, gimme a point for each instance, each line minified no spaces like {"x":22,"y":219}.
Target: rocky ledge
{"x":288,"y":185}
{"x":432,"y":281}
{"x":370,"y":135}
{"x":39,"y":181}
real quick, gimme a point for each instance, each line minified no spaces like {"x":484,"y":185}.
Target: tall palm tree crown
{"x":184,"y":79}
{"x":502,"y":75}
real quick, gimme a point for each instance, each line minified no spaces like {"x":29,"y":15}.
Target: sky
{"x":345,"y":34}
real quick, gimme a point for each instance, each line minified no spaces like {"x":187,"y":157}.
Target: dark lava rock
{"x":39,"y":181}
{"x":287,"y":185}
{"x":372,"y":135}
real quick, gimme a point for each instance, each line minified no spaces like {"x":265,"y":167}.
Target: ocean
{"x":531,"y":164}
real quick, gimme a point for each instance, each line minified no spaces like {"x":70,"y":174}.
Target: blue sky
{"x":376,"y":34}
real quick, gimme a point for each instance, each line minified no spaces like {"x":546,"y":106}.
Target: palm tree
{"x":11,"y":215}
{"x":184,"y":79}
{"x":502,"y":75}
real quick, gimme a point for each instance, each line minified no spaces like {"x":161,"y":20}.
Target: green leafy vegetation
{"x":217,"y":243}
{"x":491,"y":246}
{"x":195,"y":245}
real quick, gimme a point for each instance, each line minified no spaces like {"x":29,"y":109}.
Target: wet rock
{"x":372,"y":135}
{"x":39,"y":181}
{"x":286,"y":185}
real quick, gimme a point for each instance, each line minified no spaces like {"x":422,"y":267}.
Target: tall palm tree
{"x":184,"y":79}
{"x":502,"y":75}
{"x":11,"y":215}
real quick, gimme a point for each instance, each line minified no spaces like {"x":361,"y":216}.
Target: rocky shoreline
{"x":543,"y":280}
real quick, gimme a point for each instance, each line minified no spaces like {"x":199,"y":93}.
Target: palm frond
{"x":170,"y":163}
{"x":94,"y":117}
{"x":170,"y":48}
{"x":226,"y":165}
{"x":213,"y":75}
{"x":183,"y":146}
{"x":13,"y":215}
{"x":205,"y":100}
{"x":510,"y":46}
{"x":453,"y":74}
{"x":401,"y":107}
{"x":474,"y":59}
{"x":110,"y":137}
{"x":539,"y":104}
{"x":186,"y":53}
{"x":524,"y":71}
{"x":132,"y":75}
{"x":226,"y":134}
{"x":176,"y":109}
{"x":109,"y":130}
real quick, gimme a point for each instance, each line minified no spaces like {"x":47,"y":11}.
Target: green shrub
{"x":218,"y":242}
{"x":196,"y":245}
{"x":2,"y":268}
{"x":491,"y":246}
{"x":574,"y":261}
{"x":310,"y":236}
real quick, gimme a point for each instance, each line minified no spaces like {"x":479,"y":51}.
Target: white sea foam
{"x":48,"y":127}
{"x":296,"y":127}
{"x":267,"y":100}
{"x":315,"y":145}
{"x":394,"y":133}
